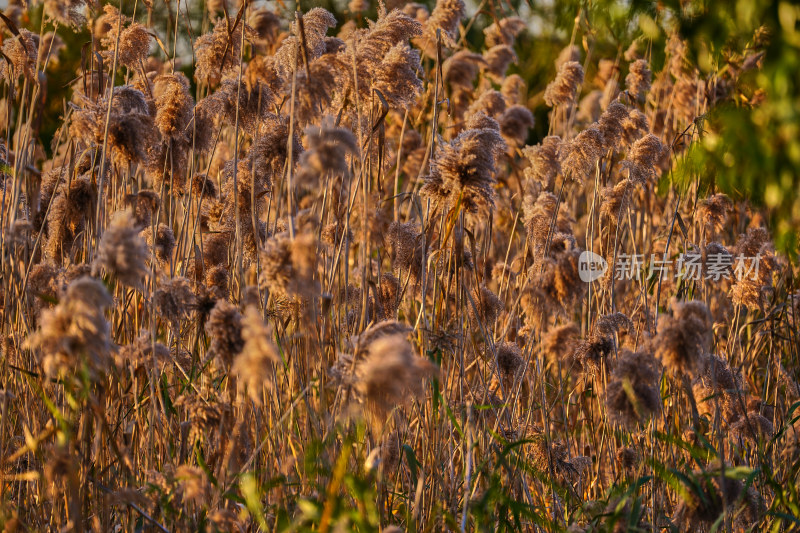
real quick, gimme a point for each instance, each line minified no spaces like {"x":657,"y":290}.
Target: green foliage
{"x":754,"y":152}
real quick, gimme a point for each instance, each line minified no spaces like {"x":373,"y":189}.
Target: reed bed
{"x":279,"y":270}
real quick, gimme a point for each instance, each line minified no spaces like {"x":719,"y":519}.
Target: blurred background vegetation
{"x":748,"y":151}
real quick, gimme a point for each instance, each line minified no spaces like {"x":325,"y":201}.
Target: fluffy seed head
{"x":461,"y":68}
{"x":544,"y":161}
{"x":253,"y":366}
{"x":503,"y":31}
{"x":391,"y":374}
{"x":315,"y":24}
{"x":122,"y":252}
{"x":174,"y":105}
{"x":224,"y":327}
{"x":134,"y":39}
{"x":445,"y":16}
{"x":464,"y":170}
{"x":560,"y":342}
{"x":66,"y":12}
{"x":22,"y":50}
{"x":217,"y":53}
{"x":684,"y":338}
{"x":639,"y":79}
{"x":564,"y":89}
{"x":643,"y":158}
{"x":175,"y":300}
{"x":632,"y":392}
{"x":714,"y":210}
{"x":611,"y":125}
{"x":581,"y":153}
{"x":515,"y":123}
{"x":289,"y":266}
{"x":509,"y":362}
{"x":635,"y":126}
{"x":498,"y":59}
{"x":163,"y":244}
{"x":75,"y":329}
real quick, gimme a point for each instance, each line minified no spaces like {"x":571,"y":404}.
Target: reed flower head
{"x":615,"y":199}
{"x":327,"y":151}
{"x":754,"y":259}
{"x":753,"y":426}
{"x":550,"y":457}
{"x":127,"y":99}
{"x":22,"y":50}
{"x":224,"y":327}
{"x":488,"y":306}
{"x":510,"y":364}
{"x":396,"y":77}
{"x":446,"y":16}
{"x":128,"y":136}
{"x":498,"y":59}
{"x":74,"y":329}
{"x":639,"y":79}
{"x":633,"y":393}
{"x":580,"y":155}
{"x":408,"y":252}
{"x":611,"y":126}
{"x":143,"y":205}
{"x":714,"y":210}
{"x":142,"y":352}
{"x":265,"y":24}
{"x":66,"y":219}
{"x":192,"y":485}
{"x":590,"y":353}
{"x":503,"y":31}
{"x":490,"y":103}
{"x":389,"y":295}
{"x":635,"y":126}
{"x":383,"y":61}
{"x":564,"y":89}
{"x":684,"y":338}
{"x":643,"y":158}
{"x":628,"y":458}
{"x":174,"y":105}
{"x":122,"y":252}
{"x":42,"y":285}
{"x":391,"y":374}
{"x":218,"y":52}
{"x":464,"y":171}
{"x":66,"y":12}
{"x":541,"y":220}
{"x":545,"y":164}
{"x":514,"y":90}
{"x":175,"y":300}
{"x":290,"y":266}
{"x":709,"y":492}
{"x":134,"y":39}
{"x":253,"y":366}
{"x":515,"y":123}
{"x":560,"y":342}
{"x":162,"y":244}
{"x":315,"y":24}
{"x":461,"y":69}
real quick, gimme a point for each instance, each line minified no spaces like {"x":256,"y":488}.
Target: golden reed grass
{"x":286,"y":270}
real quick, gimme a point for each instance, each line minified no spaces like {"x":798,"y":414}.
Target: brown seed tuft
{"x":122,"y":252}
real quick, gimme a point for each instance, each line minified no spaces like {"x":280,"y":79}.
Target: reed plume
{"x":122,"y":252}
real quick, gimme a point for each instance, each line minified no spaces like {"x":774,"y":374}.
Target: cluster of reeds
{"x":314,"y":273}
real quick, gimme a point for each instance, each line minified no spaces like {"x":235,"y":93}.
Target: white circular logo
{"x":591,"y":266}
